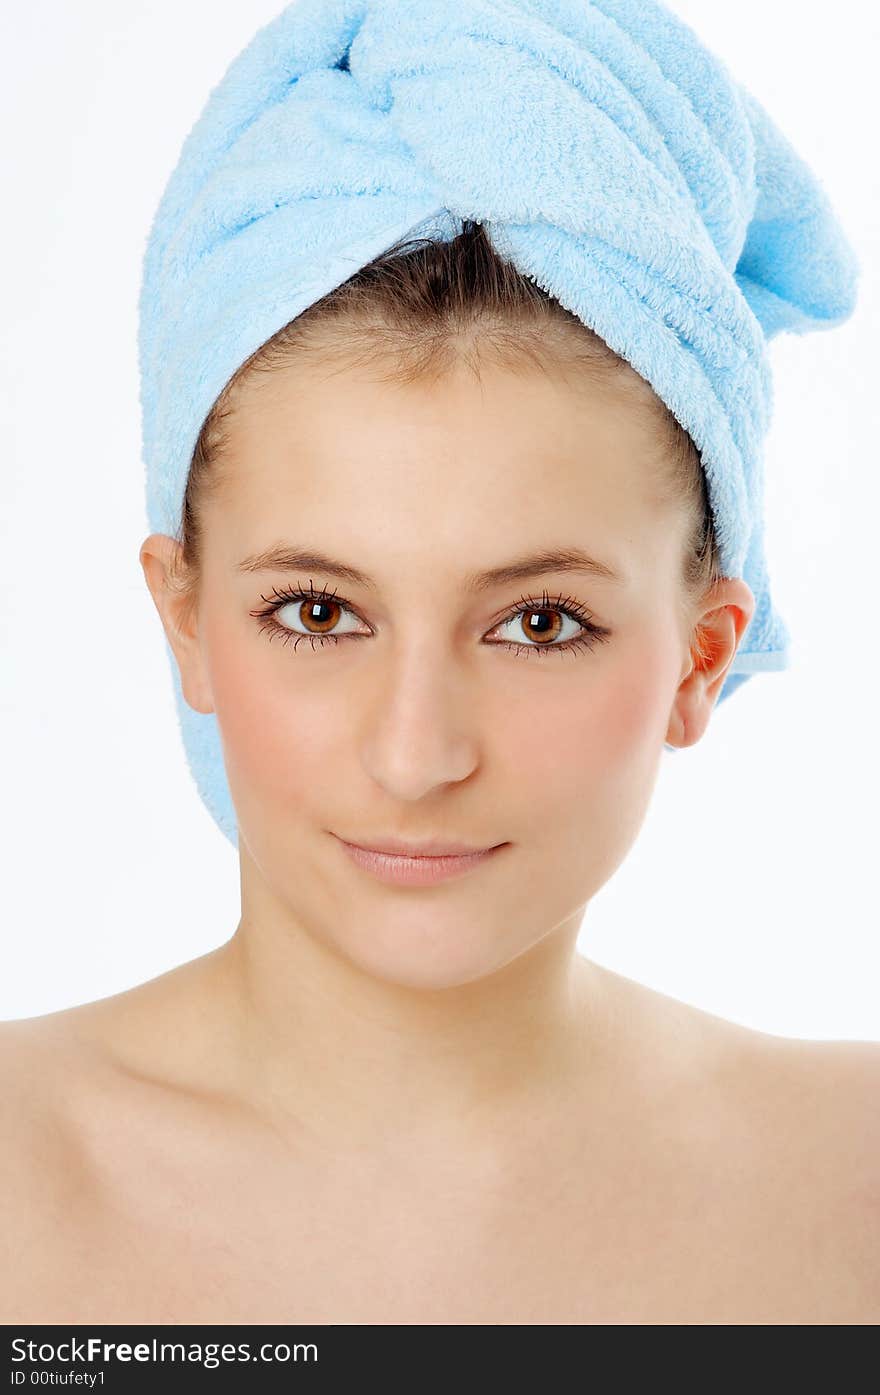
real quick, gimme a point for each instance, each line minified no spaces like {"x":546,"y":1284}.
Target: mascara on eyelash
{"x":570,"y":604}
{"x":567,"y":605}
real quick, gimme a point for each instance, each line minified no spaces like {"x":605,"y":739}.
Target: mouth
{"x":421,"y":868}
{"x":431,"y":847}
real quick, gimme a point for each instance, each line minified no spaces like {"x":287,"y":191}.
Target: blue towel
{"x":607,"y":153}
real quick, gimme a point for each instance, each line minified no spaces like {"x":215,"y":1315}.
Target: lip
{"x":416,"y":869}
{"x":431,"y":847}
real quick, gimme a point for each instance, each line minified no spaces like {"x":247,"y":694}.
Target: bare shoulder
{"x":852,"y":1067}
{"x":45,"y":1177}
{"x":40,"y":1168}
{"x":814,"y":1106}
{"x":830,"y":1088}
{"x":65,"y":1070}
{"x":817,"y":1098}
{"x":31,"y":1051}
{"x":840,"y":1082}
{"x":789,"y":1130}
{"x":41,"y":1061}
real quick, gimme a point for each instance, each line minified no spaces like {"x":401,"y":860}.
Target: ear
{"x":160,"y":558}
{"x":714,"y":638}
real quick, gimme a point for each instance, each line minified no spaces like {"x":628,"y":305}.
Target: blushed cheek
{"x":276,"y":731}
{"x":588,"y":764}
{"x":631,"y":713}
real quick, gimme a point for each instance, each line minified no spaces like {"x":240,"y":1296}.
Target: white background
{"x":751,"y":888}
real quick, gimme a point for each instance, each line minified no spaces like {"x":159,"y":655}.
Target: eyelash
{"x":592,"y":635}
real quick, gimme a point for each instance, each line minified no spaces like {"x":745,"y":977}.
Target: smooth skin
{"x":384,"y":1104}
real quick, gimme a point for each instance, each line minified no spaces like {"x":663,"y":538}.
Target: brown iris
{"x":309,"y":614}
{"x":536,"y":625}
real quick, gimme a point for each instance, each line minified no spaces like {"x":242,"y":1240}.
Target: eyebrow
{"x":284,"y":557}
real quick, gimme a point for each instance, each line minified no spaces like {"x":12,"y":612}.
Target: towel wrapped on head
{"x":607,"y":153}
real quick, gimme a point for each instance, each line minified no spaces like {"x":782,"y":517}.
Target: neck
{"x":341,"y":1055}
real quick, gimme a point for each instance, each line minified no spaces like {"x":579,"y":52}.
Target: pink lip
{"x":415,"y":871}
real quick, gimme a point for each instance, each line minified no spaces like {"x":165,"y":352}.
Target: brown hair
{"x":423,"y":305}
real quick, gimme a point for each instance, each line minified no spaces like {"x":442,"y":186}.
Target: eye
{"x":316,"y":614}
{"x":536,"y":630}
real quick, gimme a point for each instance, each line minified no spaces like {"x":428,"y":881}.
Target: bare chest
{"x":683,"y":1242}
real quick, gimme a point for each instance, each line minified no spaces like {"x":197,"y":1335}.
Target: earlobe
{"x":692,"y":709}
{"x":195,"y":696}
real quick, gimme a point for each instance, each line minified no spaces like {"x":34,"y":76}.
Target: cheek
{"x":586,"y":769}
{"x":628,"y":721}
{"x":276,"y":730}
{"x":592,"y":731}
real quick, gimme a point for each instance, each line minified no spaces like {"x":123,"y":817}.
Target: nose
{"x":423,"y":731}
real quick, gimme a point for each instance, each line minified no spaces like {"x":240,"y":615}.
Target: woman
{"x":398,"y":1092}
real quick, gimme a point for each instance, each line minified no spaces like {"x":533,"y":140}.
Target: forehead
{"x":452,"y":473}
{"x":499,"y":424}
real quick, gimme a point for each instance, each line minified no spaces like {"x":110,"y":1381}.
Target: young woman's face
{"x":416,"y":704}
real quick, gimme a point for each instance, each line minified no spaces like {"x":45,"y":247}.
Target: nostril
{"x":343,"y":62}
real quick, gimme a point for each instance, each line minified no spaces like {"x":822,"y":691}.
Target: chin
{"x":423,"y":953}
